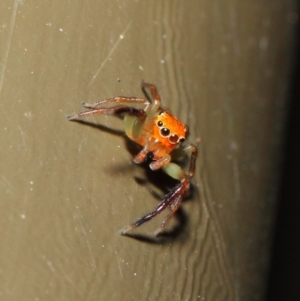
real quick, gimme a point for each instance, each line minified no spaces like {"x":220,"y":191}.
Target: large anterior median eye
{"x":165,"y":132}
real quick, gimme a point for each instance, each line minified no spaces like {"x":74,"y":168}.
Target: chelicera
{"x":160,"y":134}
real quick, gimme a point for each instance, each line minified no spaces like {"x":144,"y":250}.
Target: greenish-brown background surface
{"x":67,"y":188}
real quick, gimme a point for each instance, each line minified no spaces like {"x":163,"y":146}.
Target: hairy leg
{"x":119,"y":109}
{"x":116,"y":100}
{"x":172,"y":200}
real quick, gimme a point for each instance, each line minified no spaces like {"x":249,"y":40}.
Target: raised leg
{"x":119,"y":109}
{"x":153,"y":91}
{"x":154,"y":94}
{"x":117,"y":100}
{"x":112,"y":105}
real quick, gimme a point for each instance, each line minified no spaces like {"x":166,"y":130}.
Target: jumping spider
{"x":160,"y":134}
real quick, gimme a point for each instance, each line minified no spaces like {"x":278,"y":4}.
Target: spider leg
{"x":175,"y":196}
{"x":174,"y":207}
{"x":193,"y":151}
{"x":175,"y":171}
{"x":120,"y":103}
{"x":155,"y":96}
{"x":116,"y":100}
{"x":153,"y":91}
{"x":141,"y":156}
{"x":157,"y":164}
{"x":119,"y":109}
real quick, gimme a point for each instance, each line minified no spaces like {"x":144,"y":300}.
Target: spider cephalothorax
{"x":172,"y":130}
{"x":160,"y":134}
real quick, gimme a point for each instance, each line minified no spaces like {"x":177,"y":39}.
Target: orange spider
{"x":161,"y":136}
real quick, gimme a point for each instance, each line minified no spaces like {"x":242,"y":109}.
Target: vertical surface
{"x":66,"y":188}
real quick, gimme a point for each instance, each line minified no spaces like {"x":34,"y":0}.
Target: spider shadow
{"x":158,"y":179}
{"x":131,"y":147}
{"x":101,"y":127}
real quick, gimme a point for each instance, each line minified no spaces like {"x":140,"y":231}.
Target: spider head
{"x":168,"y":130}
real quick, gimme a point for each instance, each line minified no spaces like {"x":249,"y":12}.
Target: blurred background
{"x":229,"y":70}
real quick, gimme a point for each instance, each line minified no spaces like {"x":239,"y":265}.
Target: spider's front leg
{"x":114,"y":106}
{"x":174,"y":198}
{"x":121,"y":104}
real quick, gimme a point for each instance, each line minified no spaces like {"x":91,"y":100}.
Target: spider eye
{"x":173,"y":138}
{"x":181,"y":140}
{"x":164,"y":132}
{"x":160,"y":123}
